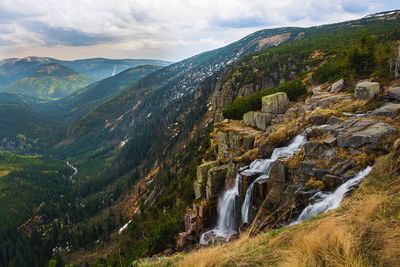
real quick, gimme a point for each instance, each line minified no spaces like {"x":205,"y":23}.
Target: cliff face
{"x":337,"y":145}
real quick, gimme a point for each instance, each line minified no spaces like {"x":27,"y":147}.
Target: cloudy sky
{"x":162,"y":29}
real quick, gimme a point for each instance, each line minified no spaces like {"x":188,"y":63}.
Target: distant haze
{"x":168,"y":30}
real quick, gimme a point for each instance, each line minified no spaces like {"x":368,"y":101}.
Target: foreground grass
{"x":365,"y":231}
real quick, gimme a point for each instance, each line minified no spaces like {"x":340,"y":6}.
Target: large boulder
{"x":276,"y":103}
{"x":394,"y":93}
{"x":389,"y":110}
{"x":366,"y":90}
{"x":257,"y":119}
{"x":337,"y":86}
{"x":367,"y":133}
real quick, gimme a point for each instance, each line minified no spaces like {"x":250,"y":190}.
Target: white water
{"x":227,"y":220}
{"x":123,"y":228}
{"x":330,"y":201}
{"x":75,"y":172}
{"x":114,"y":71}
{"x":264,"y":165}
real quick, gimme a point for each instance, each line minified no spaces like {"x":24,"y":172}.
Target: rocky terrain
{"x":344,"y":132}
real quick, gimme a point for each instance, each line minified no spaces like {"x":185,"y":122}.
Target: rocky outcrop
{"x":361,"y":133}
{"x":273,"y":108}
{"x":366,"y":90}
{"x":394,"y":93}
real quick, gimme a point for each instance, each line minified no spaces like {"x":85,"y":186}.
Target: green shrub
{"x":294,"y":89}
{"x":329,"y":72}
{"x":241,"y":105}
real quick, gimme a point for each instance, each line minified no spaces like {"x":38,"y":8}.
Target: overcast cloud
{"x":162,"y":29}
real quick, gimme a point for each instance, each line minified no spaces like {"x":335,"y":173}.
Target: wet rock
{"x":276,"y":103}
{"x":247,"y":178}
{"x":260,"y":189}
{"x":366,"y":90}
{"x":334,"y":120}
{"x":360,"y":133}
{"x":337,"y":86}
{"x":332,"y":181}
{"x":389,"y":110}
{"x":302,"y":198}
{"x":394,"y":93}
{"x":276,"y":184}
{"x":216,"y":181}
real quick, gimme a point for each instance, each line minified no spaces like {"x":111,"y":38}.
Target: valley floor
{"x":365,"y":231}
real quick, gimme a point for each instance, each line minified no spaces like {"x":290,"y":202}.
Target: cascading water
{"x":330,"y":201}
{"x":263,"y":166}
{"x":227,"y":220}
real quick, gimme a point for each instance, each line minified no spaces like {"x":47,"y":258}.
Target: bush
{"x":294,"y":89}
{"x":329,"y":72}
{"x":241,"y":105}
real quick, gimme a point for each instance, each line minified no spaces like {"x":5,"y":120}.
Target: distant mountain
{"x":51,"y":79}
{"x":99,"y":92}
{"x":40,"y":77}
{"x":101,"y":68}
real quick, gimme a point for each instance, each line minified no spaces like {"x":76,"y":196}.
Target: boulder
{"x":317,"y":119}
{"x":257,"y":119}
{"x":317,"y":150}
{"x":332,"y":181}
{"x":337,"y":86}
{"x":394,"y":93}
{"x":334,"y":120}
{"x":276,"y":103}
{"x":389,"y":110}
{"x":360,"y":133}
{"x":277,"y":173}
{"x":366,"y":90}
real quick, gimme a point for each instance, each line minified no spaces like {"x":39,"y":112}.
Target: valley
{"x":241,"y":155}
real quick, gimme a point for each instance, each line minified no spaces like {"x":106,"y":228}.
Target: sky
{"x":158,"y":29}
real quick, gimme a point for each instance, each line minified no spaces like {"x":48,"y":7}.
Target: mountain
{"x":52,"y":79}
{"x":151,"y":160}
{"x":101,"y":68}
{"x":39,"y":77}
{"x":99,"y":92}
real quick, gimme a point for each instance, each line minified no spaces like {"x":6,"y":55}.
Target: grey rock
{"x":389,"y":110}
{"x":360,"y":133}
{"x":277,"y":173}
{"x":216,"y":181}
{"x":366,"y":90}
{"x":276,"y":103}
{"x":394,"y":93}
{"x":332,"y":181}
{"x":258,"y":119}
{"x":337,"y":86}
{"x":334,"y":120}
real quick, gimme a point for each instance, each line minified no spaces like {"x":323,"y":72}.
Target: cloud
{"x":171,"y":30}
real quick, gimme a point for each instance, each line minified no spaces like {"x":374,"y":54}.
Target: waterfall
{"x":227,"y":219}
{"x":263,"y":166}
{"x":114,"y":70}
{"x":330,"y":201}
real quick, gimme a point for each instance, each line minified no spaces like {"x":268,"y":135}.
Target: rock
{"x":260,"y":189}
{"x":394,"y":93}
{"x":337,"y":86}
{"x":202,"y":171}
{"x":317,"y":90}
{"x":317,"y":150}
{"x":257,"y":119}
{"x":317,"y":119}
{"x":389,"y":110}
{"x":366,"y":90}
{"x":331,"y":141}
{"x":334,"y":120}
{"x":199,"y":190}
{"x":342,"y":167}
{"x":360,"y":133}
{"x":308,"y":168}
{"x":332,"y":181}
{"x":276,"y":103}
{"x":324,"y":100}
{"x":246,"y":178}
{"x":216,"y":181}
{"x":277,"y":173}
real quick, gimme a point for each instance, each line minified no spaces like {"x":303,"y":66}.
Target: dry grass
{"x":365,"y":231}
